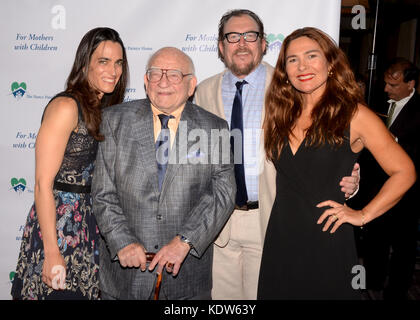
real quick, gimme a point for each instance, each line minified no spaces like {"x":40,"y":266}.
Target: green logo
{"x":12,"y":276}
{"x":272,"y":37}
{"x":18,"y":89}
{"x":18,"y":185}
{"x":16,"y":85}
{"x":275,"y":41}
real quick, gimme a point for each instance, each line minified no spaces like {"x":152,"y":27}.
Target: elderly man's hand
{"x":133,"y":255}
{"x":172,"y":255}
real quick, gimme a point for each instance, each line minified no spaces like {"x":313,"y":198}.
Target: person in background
{"x":237,"y":251}
{"x":398,"y":228}
{"x":59,"y":257}
{"x":315,"y":125}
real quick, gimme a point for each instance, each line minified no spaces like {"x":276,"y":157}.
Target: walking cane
{"x":149,"y":258}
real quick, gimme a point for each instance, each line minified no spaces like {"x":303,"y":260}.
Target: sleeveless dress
{"x":299,"y":260}
{"x":77,"y":232}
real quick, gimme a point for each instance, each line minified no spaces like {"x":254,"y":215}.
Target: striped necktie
{"x":390,"y":114}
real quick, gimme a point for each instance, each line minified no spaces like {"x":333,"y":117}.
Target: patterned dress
{"x":77,"y":232}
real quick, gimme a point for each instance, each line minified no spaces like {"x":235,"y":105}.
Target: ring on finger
{"x":170,"y":265}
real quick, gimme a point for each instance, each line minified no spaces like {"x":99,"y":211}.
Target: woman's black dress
{"x":299,"y":260}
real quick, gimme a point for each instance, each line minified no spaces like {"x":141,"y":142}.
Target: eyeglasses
{"x":234,"y":37}
{"x":173,"y":76}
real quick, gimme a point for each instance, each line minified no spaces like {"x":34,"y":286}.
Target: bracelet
{"x":363,"y":219}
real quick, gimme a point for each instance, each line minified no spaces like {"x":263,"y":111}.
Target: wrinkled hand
{"x":53,"y":262}
{"x":350,"y":184}
{"x":338,"y":214}
{"x":172,"y":255}
{"x":133,"y":256}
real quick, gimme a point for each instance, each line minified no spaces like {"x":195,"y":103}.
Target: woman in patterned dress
{"x":61,"y":231}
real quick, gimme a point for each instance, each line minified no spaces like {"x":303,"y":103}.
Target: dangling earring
{"x":287,"y":81}
{"x":330,"y":73}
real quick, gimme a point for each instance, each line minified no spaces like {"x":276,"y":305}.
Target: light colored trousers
{"x":236,"y":266}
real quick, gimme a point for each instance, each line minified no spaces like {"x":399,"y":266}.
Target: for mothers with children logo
{"x":18,"y":89}
{"x":208,"y":42}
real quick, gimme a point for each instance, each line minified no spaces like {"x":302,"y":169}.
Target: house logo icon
{"x":18,"y":89}
{"x":275,"y":41}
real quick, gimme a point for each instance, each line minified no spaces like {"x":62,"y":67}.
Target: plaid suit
{"x":196,"y":198}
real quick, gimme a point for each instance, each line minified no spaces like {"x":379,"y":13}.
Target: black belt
{"x":60,"y":186}
{"x":250,"y":205}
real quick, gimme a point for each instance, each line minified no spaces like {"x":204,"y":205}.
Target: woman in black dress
{"x":59,"y":255}
{"x":315,"y":125}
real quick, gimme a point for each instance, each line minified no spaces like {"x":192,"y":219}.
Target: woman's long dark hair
{"x":332,"y":114}
{"x":78,"y":84}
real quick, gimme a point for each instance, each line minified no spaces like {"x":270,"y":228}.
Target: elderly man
{"x":164,"y":184}
{"x":398,"y":228}
{"x":237,"y":94}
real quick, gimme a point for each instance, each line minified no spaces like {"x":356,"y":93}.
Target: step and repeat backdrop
{"x":38,"y":43}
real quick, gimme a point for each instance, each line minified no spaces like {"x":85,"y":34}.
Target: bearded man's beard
{"x":244,"y":70}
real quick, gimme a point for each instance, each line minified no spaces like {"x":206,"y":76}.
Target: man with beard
{"x":237,"y":94}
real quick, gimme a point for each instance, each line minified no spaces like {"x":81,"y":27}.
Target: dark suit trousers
{"x":390,"y":249}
